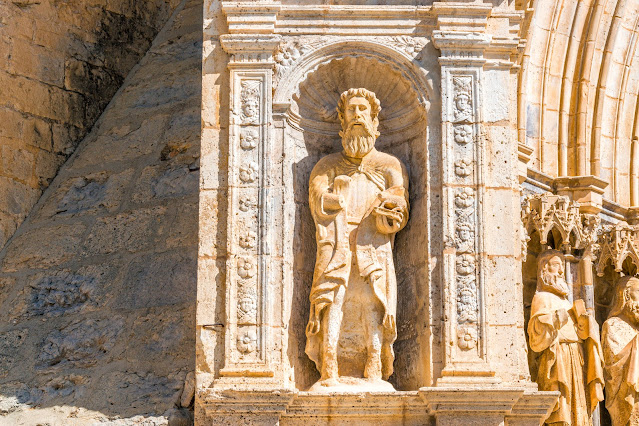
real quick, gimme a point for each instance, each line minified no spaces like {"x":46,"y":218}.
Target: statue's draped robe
{"x":342,"y":234}
{"x":621,"y":354}
{"x":566,"y":352}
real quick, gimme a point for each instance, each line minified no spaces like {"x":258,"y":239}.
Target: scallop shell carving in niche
{"x":319,"y":93}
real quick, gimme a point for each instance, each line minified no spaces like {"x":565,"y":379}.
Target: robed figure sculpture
{"x":620,"y":340}
{"x":359,"y":200}
{"x":567,"y":338}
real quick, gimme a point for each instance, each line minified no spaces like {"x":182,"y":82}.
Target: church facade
{"x":340,"y":212}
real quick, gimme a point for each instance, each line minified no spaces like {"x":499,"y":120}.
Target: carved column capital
{"x":250,"y":50}
{"x":255,"y":17}
{"x":586,"y":190}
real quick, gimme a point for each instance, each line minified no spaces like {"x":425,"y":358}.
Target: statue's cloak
{"x":373,"y":249}
{"x":570,"y":360}
{"x":621,"y":354}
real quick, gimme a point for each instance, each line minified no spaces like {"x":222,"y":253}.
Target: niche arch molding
{"x":324,"y":53}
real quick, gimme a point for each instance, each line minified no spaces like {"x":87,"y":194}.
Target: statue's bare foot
{"x":373,"y":369}
{"x":332,"y":381}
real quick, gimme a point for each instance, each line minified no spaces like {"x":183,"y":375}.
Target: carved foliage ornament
{"x":247,"y":342}
{"x":248,"y":139}
{"x":248,"y":172}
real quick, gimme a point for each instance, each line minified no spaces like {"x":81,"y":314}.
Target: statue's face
{"x":556,"y":266}
{"x":632,"y":290}
{"x":357,"y":112}
{"x":359,"y":127}
{"x":251,"y":108}
{"x":553,"y":276}
{"x":631,"y":306}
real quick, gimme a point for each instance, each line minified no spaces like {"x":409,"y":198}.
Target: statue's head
{"x":358,"y":110}
{"x":626,"y":299}
{"x":551,"y":276}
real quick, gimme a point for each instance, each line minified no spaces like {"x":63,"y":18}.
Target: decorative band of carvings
{"x":248,"y":268}
{"x":462,"y":117}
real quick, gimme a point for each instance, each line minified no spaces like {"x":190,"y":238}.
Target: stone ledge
{"x":406,"y":408}
{"x":449,"y":406}
{"x":488,"y":406}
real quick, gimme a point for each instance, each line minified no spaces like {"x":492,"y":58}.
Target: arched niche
{"x":307,"y":123}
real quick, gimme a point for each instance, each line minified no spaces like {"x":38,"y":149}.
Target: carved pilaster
{"x":249,"y":317}
{"x":461,"y":63}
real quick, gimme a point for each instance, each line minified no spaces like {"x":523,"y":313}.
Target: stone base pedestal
{"x":364,"y":408}
{"x":448,"y":406}
{"x":488,"y":406}
{"x":310,"y":409}
{"x":236,"y":407}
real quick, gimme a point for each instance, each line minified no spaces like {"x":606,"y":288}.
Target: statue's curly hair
{"x":363,"y":93}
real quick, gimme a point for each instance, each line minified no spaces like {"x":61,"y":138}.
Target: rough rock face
{"x":61,"y":62}
{"x":97,"y":288}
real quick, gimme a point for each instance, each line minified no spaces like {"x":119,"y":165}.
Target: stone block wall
{"x":61,"y":62}
{"x":97,"y":287}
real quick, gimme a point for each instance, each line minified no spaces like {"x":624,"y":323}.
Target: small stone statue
{"x":620,"y":338}
{"x":568,"y":338}
{"x":359,"y":200}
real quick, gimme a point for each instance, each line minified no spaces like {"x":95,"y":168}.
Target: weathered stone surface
{"x":60,"y":64}
{"x":61,"y":293}
{"x":97,"y":289}
{"x":81,"y":344}
{"x":159,"y":279}
{"x":10,"y":343}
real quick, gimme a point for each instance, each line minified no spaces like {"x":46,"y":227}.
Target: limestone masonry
{"x":312,"y":212}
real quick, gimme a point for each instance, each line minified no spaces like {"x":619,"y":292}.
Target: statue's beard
{"x":631,"y":309}
{"x":555,"y":283}
{"x":358,"y":141}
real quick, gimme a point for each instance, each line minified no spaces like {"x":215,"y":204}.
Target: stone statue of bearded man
{"x":359,"y":200}
{"x":567,"y":338}
{"x":620,"y":339}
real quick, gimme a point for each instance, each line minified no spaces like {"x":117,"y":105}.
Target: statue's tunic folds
{"x":562,"y":363}
{"x":351,"y":238}
{"x":621,"y":352}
